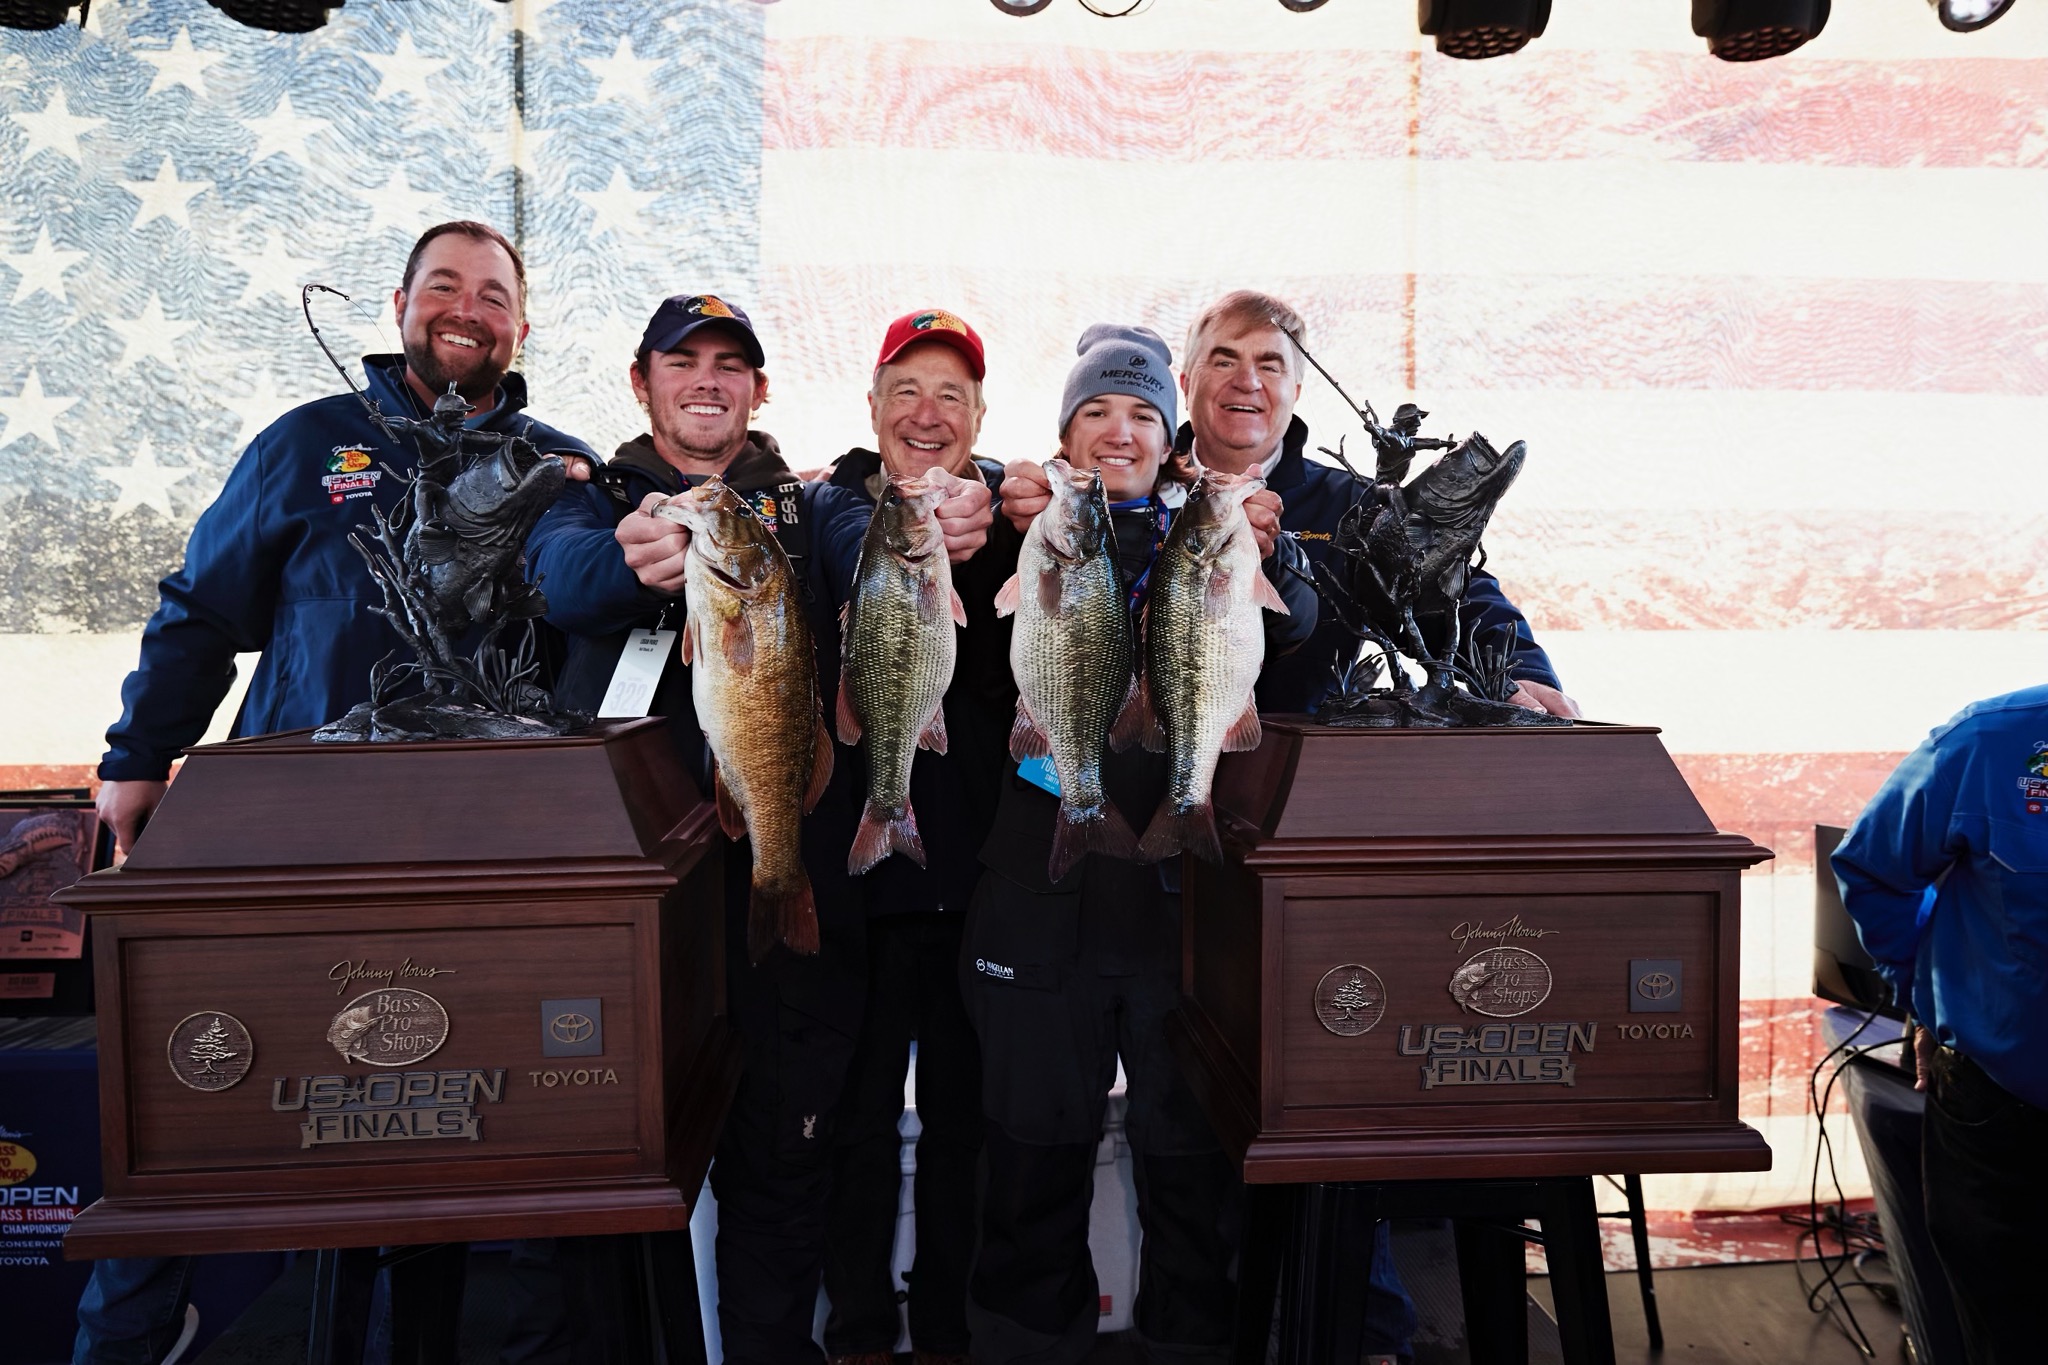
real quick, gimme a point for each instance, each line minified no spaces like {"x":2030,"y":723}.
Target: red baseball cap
{"x":932,"y":324}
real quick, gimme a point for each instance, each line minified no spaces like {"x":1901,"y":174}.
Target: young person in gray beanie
{"x":1064,"y":978}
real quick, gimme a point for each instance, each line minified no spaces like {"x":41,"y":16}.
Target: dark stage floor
{"x":1737,"y":1315}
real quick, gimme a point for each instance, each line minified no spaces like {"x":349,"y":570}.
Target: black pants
{"x":797,"y":1018}
{"x":913,"y":993}
{"x":1060,"y":986}
{"x":1987,"y":1207}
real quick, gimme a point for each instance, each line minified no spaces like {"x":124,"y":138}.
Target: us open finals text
{"x":389,"y":1108}
{"x":1496,"y":1054}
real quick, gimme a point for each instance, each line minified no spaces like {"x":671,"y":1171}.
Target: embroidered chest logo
{"x":2034,"y":781}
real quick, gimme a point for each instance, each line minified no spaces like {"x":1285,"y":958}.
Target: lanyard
{"x":1162,"y":515}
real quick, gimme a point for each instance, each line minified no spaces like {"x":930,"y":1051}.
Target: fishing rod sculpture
{"x":1403,"y":556}
{"x":450,"y":563}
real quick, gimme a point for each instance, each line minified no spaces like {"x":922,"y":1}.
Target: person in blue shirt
{"x":1946,"y":875}
{"x":609,"y":569}
{"x":269,"y":570}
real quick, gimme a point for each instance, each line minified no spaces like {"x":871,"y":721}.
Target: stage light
{"x":1020,"y":7}
{"x":1967,"y":16}
{"x":34,"y":14}
{"x":1483,"y":28}
{"x":278,"y":16}
{"x":1303,"y":6}
{"x":1754,"y":30}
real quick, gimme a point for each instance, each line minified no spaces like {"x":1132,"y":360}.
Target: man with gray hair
{"x":1241,"y":374}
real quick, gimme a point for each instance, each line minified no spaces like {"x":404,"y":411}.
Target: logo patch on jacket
{"x":342,"y":487}
{"x":348,"y":460}
{"x":2034,"y":782}
{"x":766,"y":508}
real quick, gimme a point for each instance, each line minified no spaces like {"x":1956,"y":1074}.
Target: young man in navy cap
{"x":610,"y":570}
{"x":925,"y":406}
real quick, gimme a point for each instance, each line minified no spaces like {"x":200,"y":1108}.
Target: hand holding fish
{"x":1025,"y":492}
{"x":965,"y":514}
{"x":1262,"y":511}
{"x":657,"y":548}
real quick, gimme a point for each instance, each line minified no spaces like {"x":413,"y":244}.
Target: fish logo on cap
{"x":938,"y":319}
{"x":710,"y":306}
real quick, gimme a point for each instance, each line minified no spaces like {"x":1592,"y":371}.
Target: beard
{"x":474,"y":378}
{"x":695,"y":444}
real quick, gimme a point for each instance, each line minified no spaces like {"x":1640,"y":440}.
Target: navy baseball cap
{"x":683,"y":314}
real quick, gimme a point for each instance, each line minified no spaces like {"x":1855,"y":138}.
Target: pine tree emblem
{"x":210,"y":1047}
{"x":1352,"y":997}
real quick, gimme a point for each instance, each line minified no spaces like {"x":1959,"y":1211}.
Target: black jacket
{"x":953,"y":794}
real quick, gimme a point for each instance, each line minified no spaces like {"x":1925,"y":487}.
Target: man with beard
{"x":925,"y":405}
{"x":269,"y":570}
{"x":612,"y":568}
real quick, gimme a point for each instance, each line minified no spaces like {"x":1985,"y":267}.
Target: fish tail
{"x":1172,"y":830}
{"x":884,"y":831}
{"x":1081,"y":830}
{"x":782,"y":912}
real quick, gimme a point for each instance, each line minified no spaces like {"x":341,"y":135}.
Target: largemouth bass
{"x":1072,"y":655}
{"x":754,"y":677}
{"x":896,"y":659}
{"x":468,"y":537}
{"x":1204,"y":643}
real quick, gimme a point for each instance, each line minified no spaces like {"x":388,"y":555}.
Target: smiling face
{"x":460,"y":319}
{"x":1123,"y":436}
{"x":699,"y":398}
{"x":926,"y":410}
{"x":1241,"y":390}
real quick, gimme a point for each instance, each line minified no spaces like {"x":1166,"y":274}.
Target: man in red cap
{"x":925,"y":407}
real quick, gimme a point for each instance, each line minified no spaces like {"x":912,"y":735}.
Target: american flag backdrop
{"x":1777,"y":335}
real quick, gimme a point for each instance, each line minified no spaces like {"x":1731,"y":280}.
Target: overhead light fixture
{"x":1303,"y":6}
{"x":35,"y":15}
{"x":1967,"y":16}
{"x":1756,"y":30}
{"x":1020,"y":7}
{"x":278,"y":16}
{"x":1473,"y":29}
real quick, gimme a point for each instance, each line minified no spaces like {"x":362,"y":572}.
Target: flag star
{"x":283,"y":132}
{"x":618,"y":206}
{"x":258,"y":409}
{"x":144,"y":482}
{"x":273,"y":270}
{"x":179,"y":64}
{"x":32,"y":412}
{"x":622,"y":75}
{"x":42,"y":266}
{"x":523,"y":16}
{"x":150,"y":335}
{"x":166,"y":196}
{"x":398,"y":205}
{"x":404,"y":70}
{"x":55,"y":127}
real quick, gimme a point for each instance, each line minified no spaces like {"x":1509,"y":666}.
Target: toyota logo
{"x":571,"y":1028}
{"x":1655,"y":986}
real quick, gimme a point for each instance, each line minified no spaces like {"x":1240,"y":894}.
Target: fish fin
{"x":934,"y":736}
{"x":786,"y":915}
{"x":736,"y":642}
{"x":477,"y":601}
{"x":1049,"y":591}
{"x":1102,"y":830}
{"x":1268,"y":596}
{"x":687,"y":645}
{"x":959,"y":608}
{"x":1244,"y":732}
{"x":821,"y":767}
{"x":844,"y":719}
{"x":1171,"y":831}
{"x":1134,"y":717}
{"x":731,"y":818}
{"x":881,"y":833}
{"x":1026,"y":739}
{"x":1008,"y":595}
{"x":845,"y":617}
{"x":436,"y":544}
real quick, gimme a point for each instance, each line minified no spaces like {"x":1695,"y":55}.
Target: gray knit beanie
{"x":1132,"y":360}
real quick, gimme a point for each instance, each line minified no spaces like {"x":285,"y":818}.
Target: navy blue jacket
{"x":953,"y":794}
{"x":1314,"y":497}
{"x":269,"y":568}
{"x":1946,"y":875}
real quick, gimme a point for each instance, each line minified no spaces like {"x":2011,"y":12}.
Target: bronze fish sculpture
{"x":1204,"y":643}
{"x":754,"y":678}
{"x":467,"y":538}
{"x":1072,"y":655}
{"x":897,"y":650}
